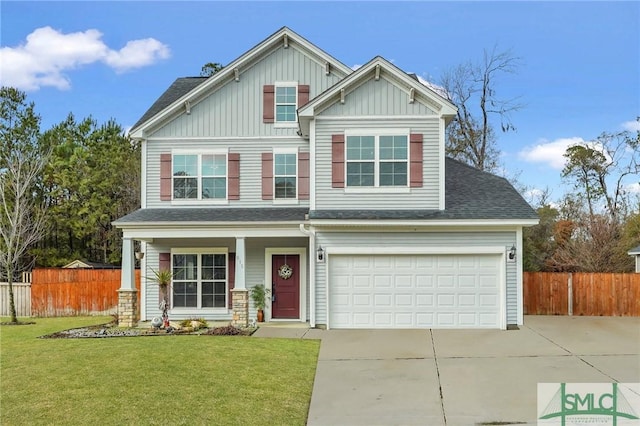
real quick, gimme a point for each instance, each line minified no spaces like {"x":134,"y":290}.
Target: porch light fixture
{"x":139,"y":255}
{"x":320,"y":253}
{"x":512,"y":253}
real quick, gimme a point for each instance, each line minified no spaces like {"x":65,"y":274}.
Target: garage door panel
{"x":403,"y":281}
{"x":435,"y":291}
{"x":424,"y":300}
{"x":382,"y":300}
{"x":467,"y":300}
{"x":404,"y":300}
{"x":446,"y":300}
{"x":446,"y":281}
{"x":424,"y":281}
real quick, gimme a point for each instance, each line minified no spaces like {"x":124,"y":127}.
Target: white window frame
{"x":198,"y":309}
{"x":376,"y":133}
{"x":284,"y":124}
{"x":199,"y":177}
{"x":285,"y":200}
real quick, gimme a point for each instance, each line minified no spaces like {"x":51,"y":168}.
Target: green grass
{"x":157,"y":380}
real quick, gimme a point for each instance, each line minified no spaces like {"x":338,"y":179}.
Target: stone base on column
{"x":127,"y":308}
{"x":240,"y":303}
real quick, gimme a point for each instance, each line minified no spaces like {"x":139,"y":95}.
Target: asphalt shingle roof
{"x":178,"y":88}
{"x":470,"y":194}
{"x":215,"y":214}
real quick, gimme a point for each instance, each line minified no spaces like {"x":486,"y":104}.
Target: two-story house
{"x":328,"y":185}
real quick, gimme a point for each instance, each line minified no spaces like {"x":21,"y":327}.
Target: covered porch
{"x":214,"y":266}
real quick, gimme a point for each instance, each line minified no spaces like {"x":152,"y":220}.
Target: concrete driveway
{"x":460,"y":377}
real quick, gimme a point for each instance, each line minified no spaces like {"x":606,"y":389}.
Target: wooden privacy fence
{"x":581,"y":293}
{"x":21,"y":299}
{"x":62,"y":292}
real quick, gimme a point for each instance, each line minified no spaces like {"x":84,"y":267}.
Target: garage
{"x":415,"y":291}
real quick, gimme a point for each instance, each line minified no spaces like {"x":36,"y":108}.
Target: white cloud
{"x":47,"y":54}
{"x":633,"y":188}
{"x":356,"y":66}
{"x":551,"y":153}
{"x":632,"y":126}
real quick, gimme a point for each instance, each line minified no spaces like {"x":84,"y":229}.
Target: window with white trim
{"x":200,"y":280}
{"x":199,"y":176}
{"x":377,"y":160}
{"x":285,"y":175}
{"x":286,"y":103}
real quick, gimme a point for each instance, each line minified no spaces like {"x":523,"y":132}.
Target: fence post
{"x":570,"y":290}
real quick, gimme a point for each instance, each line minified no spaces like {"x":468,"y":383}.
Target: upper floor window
{"x":286,"y":104}
{"x":199,"y":176}
{"x":377,"y":160}
{"x":285,"y":175}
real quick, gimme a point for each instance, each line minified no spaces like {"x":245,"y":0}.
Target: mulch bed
{"x":110,"y":330}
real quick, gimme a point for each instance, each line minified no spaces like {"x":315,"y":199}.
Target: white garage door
{"x":414,"y":291}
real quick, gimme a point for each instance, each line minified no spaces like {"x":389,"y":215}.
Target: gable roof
{"x":376,"y":67}
{"x":175,"y":98}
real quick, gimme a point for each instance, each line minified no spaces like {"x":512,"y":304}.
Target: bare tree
{"x":21,"y":162}
{"x":599,"y":170}
{"x":471,"y":87}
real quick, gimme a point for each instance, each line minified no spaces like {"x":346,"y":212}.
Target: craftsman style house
{"x":328,"y":186}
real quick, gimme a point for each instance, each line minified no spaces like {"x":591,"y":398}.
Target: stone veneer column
{"x":240,"y":299}
{"x":127,"y":308}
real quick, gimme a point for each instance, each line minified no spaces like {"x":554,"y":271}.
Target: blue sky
{"x":580,"y":72}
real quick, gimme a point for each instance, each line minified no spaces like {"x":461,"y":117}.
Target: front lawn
{"x":157,"y":380}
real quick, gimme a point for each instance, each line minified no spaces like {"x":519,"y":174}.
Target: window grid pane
{"x":286,"y":103}
{"x":377,"y":160}
{"x":209,"y":183}
{"x":200,"y":281}
{"x":285,"y":169}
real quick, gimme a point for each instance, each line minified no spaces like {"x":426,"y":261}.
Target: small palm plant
{"x":163,"y":279}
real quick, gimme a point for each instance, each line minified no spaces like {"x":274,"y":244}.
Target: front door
{"x":285,"y":286}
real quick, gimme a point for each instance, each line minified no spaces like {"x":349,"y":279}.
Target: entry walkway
{"x":461,"y":377}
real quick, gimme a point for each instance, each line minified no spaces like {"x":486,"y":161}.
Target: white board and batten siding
{"x":235,"y":109}
{"x":474,"y":283}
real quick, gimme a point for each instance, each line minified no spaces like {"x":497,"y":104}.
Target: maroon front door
{"x":285,"y":286}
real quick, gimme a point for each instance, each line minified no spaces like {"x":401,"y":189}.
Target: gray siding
{"x":378,"y":98}
{"x":254,"y":272}
{"x":235,"y":109}
{"x":250,"y":166}
{"x":409,"y":239}
{"x":426,"y":197}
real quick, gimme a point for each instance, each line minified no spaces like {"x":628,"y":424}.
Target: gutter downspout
{"x":312,"y":274}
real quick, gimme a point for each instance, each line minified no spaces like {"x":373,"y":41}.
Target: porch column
{"x":240,"y":294}
{"x":127,"y":294}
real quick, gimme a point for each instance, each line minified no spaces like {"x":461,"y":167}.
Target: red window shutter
{"x":165,"y":177}
{"x":303,"y":175}
{"x":415,"y":150}
{"x":164,"y":264}
{"x":268,"y":103}
{"x":233,"y":161}
{"x":164,"y":261}
{"x":337,"y":161}
{"x":232,"y":278}
{"x":267,"y":176}
{"x":303,"y":94}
